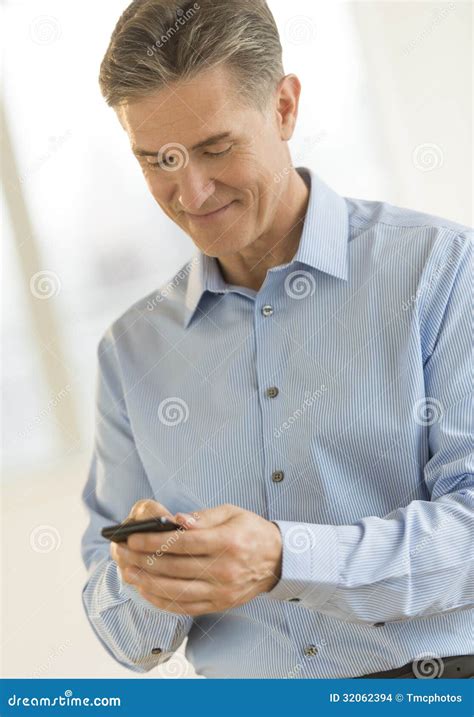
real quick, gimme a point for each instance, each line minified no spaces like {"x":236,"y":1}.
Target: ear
{"x":287,"y":102}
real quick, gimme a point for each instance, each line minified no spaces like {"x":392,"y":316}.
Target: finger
{"x":192,"y":542}
{"x":212,"y":517}
{"x":186,"y":520}
{"x":119,"y":555}
{"x":176,"y":566}
{"x":113,"y":551}
{"x":180,"y":608}
{"x":169,"y":588}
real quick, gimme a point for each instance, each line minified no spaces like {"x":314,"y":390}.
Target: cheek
{"x":161,"y":192}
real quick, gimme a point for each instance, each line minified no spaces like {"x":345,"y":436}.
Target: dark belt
{"x":456,"y":666}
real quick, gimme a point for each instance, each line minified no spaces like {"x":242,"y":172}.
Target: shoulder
{"x":165,"y":305}
{"x":366,"y":214}
{"x":390,"y":228}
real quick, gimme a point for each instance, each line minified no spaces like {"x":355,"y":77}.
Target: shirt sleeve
{"x":137,"y":634}
{"x":416,"y":561}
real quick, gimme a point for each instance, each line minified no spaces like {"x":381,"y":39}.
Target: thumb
{"x":209,"y":518}
{"x":144,"y":509}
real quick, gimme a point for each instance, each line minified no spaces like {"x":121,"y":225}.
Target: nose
{"x":194,"y":188}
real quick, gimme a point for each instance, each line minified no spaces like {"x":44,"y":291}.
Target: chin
{"x":225,"y":243}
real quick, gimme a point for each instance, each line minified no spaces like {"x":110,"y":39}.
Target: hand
{"x":222,"y":558}
{"x":141,"y":510}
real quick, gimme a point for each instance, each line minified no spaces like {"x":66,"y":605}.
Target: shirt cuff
{"x":137,"y":634}
{"x":310,"y":563}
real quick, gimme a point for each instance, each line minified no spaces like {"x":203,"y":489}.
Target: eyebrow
{"x":205,"y":143}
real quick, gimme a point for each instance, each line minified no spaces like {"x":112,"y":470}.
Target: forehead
{"x":184,"y":112}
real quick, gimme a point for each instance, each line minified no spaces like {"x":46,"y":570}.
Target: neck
{"x":277,"y":246}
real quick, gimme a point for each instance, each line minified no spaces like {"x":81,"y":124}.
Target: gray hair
{"x":158,"y":42}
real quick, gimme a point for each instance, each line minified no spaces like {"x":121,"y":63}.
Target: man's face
{"x":212,"y":160}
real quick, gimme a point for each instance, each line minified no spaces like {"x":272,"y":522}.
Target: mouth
{"x":211,"y":216}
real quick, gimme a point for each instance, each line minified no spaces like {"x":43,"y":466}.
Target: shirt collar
{"x":323,"y":245}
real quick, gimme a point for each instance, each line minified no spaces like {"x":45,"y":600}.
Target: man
{"x":297,"y":396}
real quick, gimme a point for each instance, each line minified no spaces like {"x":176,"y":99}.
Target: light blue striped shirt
{"x":363,"y":457}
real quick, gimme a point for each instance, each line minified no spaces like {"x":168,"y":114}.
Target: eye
{"x":151,"y":162}
{"x":218,"y":154}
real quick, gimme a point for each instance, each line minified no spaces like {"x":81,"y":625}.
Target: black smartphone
{"x":120,"y":532}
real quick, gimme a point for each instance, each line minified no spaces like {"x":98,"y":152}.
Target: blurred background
{"x":386,"y":114}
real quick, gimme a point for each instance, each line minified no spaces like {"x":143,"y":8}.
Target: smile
{"x":211,"y":216}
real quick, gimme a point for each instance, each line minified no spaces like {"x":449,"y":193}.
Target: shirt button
{"x":267,"y":310}
{"x":277,"y":476}
{"x":156,"y":651}
{"x":294,"y":599}
{"x":272,"y":392}
{"x":378,"y":624}
{"x":310,"y":650}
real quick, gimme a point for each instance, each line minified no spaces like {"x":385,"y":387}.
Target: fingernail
{"x":185,"y":519}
